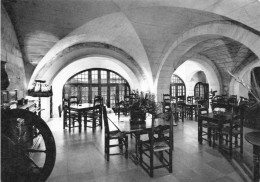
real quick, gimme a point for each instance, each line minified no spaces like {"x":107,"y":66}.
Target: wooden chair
{"x":232,"y":100}
{"x":166,"y":97}
{"x":166,"y":103}
{"x":190,"y":99}
{"x":120,"y":107}
{"x":209,"y":129}
{"x":69,"y":116}
{"x":94,"y":116}
{"x":232,"y":133}
{"x":126,"y":104}
{"x":114,"y":135}
{"x":189,"y":110}
{"x":159,"y":144}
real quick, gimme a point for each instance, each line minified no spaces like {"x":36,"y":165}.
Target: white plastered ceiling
{"x":145,"y":30}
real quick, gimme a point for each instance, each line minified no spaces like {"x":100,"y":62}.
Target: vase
{"x":4,"y":76}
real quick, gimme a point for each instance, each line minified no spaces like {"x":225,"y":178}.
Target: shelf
{"x":39,"y":94}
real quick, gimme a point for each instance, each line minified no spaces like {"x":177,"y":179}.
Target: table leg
{"x":200,"y":130}
{"x":220,"y":139}
{"x":256,"y":156}
{"x":135,"y":155}
{"x":80,"y":119}
{"x":182,"y":114}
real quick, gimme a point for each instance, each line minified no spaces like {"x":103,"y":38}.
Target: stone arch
{"x":78,"y":51}
{"x":208,"y":67}
{"x":88,"y":63}
{"x":191,"y":38}
{"x":102,"y":33}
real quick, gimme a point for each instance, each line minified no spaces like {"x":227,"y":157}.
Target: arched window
{"x":201,"y":90}
{"x":89,"y":83}
{"x":177,"y":87}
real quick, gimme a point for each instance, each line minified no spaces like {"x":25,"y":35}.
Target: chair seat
{"x":159,"y":145}
{"x":234,"y":131}
{"x":73,"y":113}
{"x":116,"y":134}
{"x":93,"y":115}
{"x":209,"y":125}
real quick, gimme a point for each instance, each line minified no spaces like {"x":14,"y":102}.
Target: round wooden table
{"x":254,"y":139}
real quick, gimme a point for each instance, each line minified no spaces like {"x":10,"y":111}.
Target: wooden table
{"x":218,"y":119}
{"x":81,"y":108}
{"x":192,"y":108}
{"x":137,"y":128}
{"x":254,"y":139}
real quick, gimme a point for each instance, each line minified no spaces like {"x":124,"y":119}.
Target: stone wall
{"x":10,"y":52}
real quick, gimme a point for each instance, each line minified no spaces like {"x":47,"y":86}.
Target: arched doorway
{"x":201,"y":90}
{"x":177,"y":87}
{"x":91,"y":82}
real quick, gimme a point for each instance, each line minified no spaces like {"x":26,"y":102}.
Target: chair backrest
{"x":98,"y":100}
{"x":190,"y":99}
{"x":181,"y":99}
{"x":65,"y":104}
{"x":73,"y":100}
{"x":166,"y":97}
{"x":98,"y":104}
{"x":219,"y":107}
{"x":203,"y":111}
{"x":166,"y":103}
{"x":232,"y":101}
{"x":126,"y":100}
{"x":161,"y":130}
{"x":105,"y":119}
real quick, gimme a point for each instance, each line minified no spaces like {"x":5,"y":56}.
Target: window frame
{"x":177,"y":89}
{"x":118,"y":82}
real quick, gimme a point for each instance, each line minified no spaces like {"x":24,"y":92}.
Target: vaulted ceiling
{"x":40,"y":24}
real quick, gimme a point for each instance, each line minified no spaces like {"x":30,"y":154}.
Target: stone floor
{"x":80,"y":157}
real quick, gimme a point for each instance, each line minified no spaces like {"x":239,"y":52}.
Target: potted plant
{"x":141,"y":104}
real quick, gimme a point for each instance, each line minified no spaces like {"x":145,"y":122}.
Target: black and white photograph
{"x":130,"y":91}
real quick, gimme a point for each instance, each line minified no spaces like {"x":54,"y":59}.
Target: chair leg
{"x":120,"y":143}
{"x":161,"y":156}
{"x":64,"y":122}
{"x":170,"y":161}
{"x":126,"y":147}
{"x":108,"y":150}
{"x":85,"y":122}
{"x":214,"y":138}
{"x":100,"y":121}
{"x":209,"y":136}
{"x":69,"y":124}
{"x":151,"y":163}
{"x":141,"y":154}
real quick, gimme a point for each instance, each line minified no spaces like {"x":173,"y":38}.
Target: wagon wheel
{"x":28,"y":148}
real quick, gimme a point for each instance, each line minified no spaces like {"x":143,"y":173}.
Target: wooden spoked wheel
{"x":28,"y":150}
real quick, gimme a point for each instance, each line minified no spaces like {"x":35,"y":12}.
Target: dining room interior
{"x":115,"y":90}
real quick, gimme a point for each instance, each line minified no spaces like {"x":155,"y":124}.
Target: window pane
{"x":94,"y":74}
{"x":84,"y":94}
{"x":82,"y":82}
{"x":121,"y":92}
{"x":112,"y":96}
{"x":104,"y":94}
{"x":103,"y":76}
{"x":112,"y":77}
{"x":94,"y":92}
{"x":73,"y":91}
